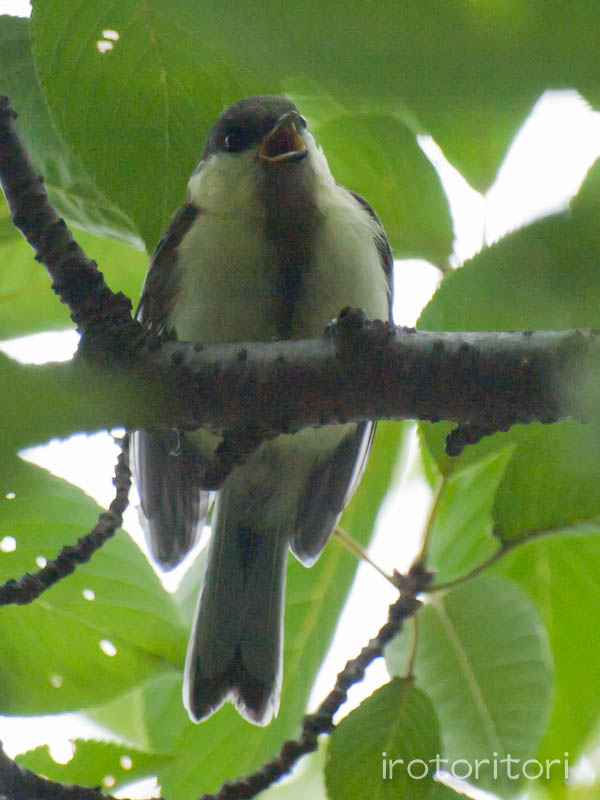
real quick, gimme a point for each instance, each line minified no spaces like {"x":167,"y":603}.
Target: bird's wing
{"x":166,"y":463}
{"x":332,"y":481}
{"x":383,"y":247}
{"x":166,"y":467}
{"x":162,"y":281}
{"x":329,"y":486}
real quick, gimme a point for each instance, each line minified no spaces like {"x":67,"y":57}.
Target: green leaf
{"x":61,"y":398}
{"x":378,"y":156}
{"x":476,"y":141}
{"x":461,"y":535}
{"x":94,"y":763}
{"x":70,"y":189}
{"x":225,"y":746}
{"x":164,"y":716}
{"x":8,"y":232}
{"x":160,"y":84}
{"x":388,"y":445}
{"x":443,"y":792}
{"x":568,"y":59}
{"x":385,"y":747}
{"x":586,"y":203}
{"x":447,"y":66}
{"x":307,"y":781}
{"x":123,"y":715}
{"x":135,"y":108}
{"x":483,"y":658}
{"x":56,"y":652}
{"x":468,"y":74}
{"x":27,"y":303}
{"x":471,"y":77}
{"x":591,"y":792}
{"x":551,"y":482}
{"x":188,"y":590}
{"x":151,"y":715}
{"x":543,"y":276}
{"x":560,"y":574}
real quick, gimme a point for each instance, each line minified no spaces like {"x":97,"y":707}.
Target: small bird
{"x":267,"y":246}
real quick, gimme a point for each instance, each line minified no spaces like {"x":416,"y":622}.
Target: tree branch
{"x":485,"y":382}
{"x":103,"y":317}
{"x":17,"y":783}
{"x":30,"y":586}
{"x":488,"y":381}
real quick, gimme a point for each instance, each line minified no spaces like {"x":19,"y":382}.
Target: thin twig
{"x":18,"y":783}
{"x":102,"y":315}
{"x":30,"y":586}
{"x":505,"y":547}
{"x":483,"y":565}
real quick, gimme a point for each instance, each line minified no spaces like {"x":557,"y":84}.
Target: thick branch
{"x":488,"y":380}
{"x":484,"y":380}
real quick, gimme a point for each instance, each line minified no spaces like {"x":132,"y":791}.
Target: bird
{"x":267,"y":246}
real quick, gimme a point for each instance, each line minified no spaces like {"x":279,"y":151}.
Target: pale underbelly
{"x":230,"y":284}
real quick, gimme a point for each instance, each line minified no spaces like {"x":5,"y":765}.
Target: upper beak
{"x":283,"y":143}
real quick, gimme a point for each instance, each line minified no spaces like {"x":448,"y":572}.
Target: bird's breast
{"x":227,"y":280}
{"x":246,"y":279}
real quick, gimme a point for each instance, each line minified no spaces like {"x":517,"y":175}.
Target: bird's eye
{"x":302,"y":121}
{"x":236,"y":140}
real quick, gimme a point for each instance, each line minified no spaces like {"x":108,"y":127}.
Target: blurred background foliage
{"x":114,"y":103}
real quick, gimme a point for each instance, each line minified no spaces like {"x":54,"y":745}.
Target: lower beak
{"x":283,"y":143}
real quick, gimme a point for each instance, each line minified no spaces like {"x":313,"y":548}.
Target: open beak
{"x":283,"y":143}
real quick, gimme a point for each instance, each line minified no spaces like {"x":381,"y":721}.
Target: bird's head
{"x":255,"y":144}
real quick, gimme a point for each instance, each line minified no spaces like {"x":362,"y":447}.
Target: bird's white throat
{"x":229,"y":276}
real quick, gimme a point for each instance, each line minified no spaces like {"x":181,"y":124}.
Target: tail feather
{"x":255,"y":699}
{"x":290,"y":491}
{"x":236,"y":642}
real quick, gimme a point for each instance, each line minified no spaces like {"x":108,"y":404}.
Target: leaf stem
{"x":413,"y":647}
{"x":422,"y":557}
{"x":353,"y":547}
{"x":501,"y":551}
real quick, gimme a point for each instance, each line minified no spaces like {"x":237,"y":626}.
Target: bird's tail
{"x":235,"y":646}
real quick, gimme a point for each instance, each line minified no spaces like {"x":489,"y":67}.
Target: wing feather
{"x":166,"y":463}
{"x":332,"y":482}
